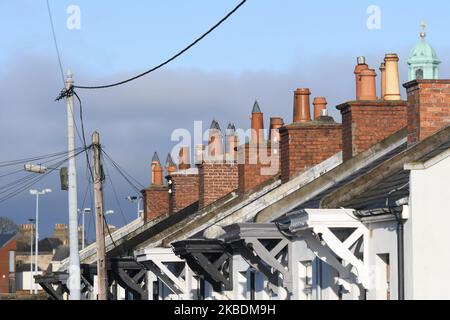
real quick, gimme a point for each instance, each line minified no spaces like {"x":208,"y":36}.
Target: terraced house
{"x":316,"y":210}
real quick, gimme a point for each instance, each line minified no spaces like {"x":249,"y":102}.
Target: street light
{"x":83,"y":212}
{"x":37,"y":194}
{"x":109,"y":212}
{"x":31,"y":221}
{"x":135,"y":199}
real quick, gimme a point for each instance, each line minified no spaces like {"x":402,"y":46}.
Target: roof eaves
{"x":367,"y":181}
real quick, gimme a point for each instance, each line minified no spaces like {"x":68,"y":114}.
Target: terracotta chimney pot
{"x":383,"y":80}
{"x":302,"y":111}
{"x":257,"y":125}
{"x":275,"y":124}
{"x":320,"y":103}
{"x":361,"y":65}
{"x":392,"y":92}
{"x":184,"y":159}
{"x":368,"y":85}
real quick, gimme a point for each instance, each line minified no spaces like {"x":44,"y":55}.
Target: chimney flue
{"x":184,"y":159}
{"x":215,"y":146}
{"x":320,"y":104}
{"x":157,"y":171}
{"x":275,"y":124}
{"x":257,"y":125}
{"x":361,"y":65}
{"x":383,"y":80}
{"x":392,"y":78}
{"x":171,"y":167}
{"x":368,"y":89}
{"x":302,"y":111}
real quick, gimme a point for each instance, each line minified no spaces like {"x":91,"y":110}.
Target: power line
{"x":124,"y":174}
{"x":55,"y":40}
{"x":115,"y":194}
{"x":173,"y":57}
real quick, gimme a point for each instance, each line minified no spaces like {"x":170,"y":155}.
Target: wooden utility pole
{"x":99,"y":221}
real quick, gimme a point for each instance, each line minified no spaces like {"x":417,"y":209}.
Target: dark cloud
{"x":137,"y":119}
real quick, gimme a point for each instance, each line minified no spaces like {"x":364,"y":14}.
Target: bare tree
{"x":7,"y":226}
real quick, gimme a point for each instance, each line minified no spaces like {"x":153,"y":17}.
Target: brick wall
{"x":365,"y":123}
{"x":216,"y":180}
{"x":428,"y":108}
{"x":156,"y":201}
{"x":185,"y":189}
{"x":254,"y":171}
{"x":304,"y":145}
{"x":4,"y":265}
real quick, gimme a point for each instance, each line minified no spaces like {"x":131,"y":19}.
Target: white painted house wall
{"x":427,"y":232}
{"x":383,"y":242}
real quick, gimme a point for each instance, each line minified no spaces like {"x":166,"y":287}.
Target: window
{"x":307,"y":275}
{"x":419,"y":74}
{"x":383,"y":273}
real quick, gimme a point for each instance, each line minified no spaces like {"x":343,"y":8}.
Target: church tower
{"x":423,"y":61}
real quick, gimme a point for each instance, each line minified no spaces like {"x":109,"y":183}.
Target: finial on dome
{"x":423,"y":34}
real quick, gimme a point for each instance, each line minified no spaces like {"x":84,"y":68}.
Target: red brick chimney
{"x":302,"y":112}
{"x":367,"y":121}
{"x":156,"y":197}
{"x":304,"y":143}
{"x":257,"y":125}
{"x":320,"y":103}
{"x":183,"y":184}
{"x":428,"y":108}
{"x":256,"y":164}
{"x":218,"y":176}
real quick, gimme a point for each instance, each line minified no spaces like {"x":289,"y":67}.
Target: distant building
{"x":8,"y":246}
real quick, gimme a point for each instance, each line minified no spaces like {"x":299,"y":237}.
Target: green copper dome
{"x":423,"y":61}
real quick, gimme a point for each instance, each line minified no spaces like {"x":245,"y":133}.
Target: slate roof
{"x":4,"y":238}
{"x":314,"y":203}
{"x":396,"y":186}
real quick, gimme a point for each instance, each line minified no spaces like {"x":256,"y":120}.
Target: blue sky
{"x":263,"y":52}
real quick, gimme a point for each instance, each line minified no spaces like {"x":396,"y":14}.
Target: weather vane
{"x":423,"y":26}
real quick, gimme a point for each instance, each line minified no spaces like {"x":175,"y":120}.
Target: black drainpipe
{"x":400,"y":256}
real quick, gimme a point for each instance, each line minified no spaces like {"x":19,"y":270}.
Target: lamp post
{"x":83,"y":236}
{"x":31,"y":221}
{"x":37,"y":194}
{"x":135,"y":199}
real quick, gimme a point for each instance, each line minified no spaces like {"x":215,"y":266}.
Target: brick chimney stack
{"x":215,"y":144}
{"x":428,"y":108}
{"x":383,"y":80}
{"x":156,"y":197}
{"x":306,"y":143}
{"x":367,"y":121}
{"x":360,"y":66}
{"x":392,"y":78}
{"x":218,"y":175}
{"x":184,"y":158}
{"x":302,"y":112}
{"x":253,"y":170}
{"x":257,"y":125}
{"x":157,"y":171}
{"x":320,"y":103}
